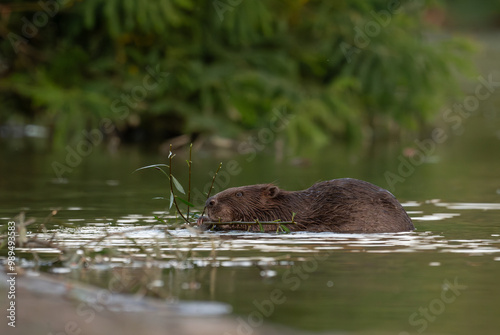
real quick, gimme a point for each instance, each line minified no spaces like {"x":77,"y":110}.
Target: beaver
{"x":340,"y":205}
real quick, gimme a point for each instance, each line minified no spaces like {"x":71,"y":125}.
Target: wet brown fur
{"x":340,"y":205}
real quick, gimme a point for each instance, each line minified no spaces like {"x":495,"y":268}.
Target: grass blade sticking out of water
{"x":159,"y":219}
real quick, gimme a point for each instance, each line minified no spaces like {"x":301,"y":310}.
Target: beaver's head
{"x":245,"y":203}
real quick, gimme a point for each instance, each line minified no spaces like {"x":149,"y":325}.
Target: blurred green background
{"x":150,"y":71}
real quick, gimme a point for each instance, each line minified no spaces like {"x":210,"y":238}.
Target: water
{"x":440,"y":279}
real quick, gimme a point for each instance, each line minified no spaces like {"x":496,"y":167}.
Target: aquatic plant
{"x":176,"y":186}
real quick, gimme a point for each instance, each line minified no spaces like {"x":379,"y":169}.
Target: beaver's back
{"x":351,"y":205}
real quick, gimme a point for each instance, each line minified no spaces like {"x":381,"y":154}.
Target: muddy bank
{"x":50,"y":305}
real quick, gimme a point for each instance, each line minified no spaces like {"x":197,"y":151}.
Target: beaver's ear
{"x":272,"y":191}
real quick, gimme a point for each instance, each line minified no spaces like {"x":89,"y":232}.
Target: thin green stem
{"x":189,"y":178}
{"x":212,"y":185}
{"x":172,"y":185}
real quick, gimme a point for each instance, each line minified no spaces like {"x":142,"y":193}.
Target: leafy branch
{"x":173,"y":182}
{"x":175,"y":185}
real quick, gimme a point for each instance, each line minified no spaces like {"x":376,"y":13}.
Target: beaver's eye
{"x":239,"y":194}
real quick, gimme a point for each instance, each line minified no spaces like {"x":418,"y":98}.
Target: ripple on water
{"x":128,"y":240}
{"x":469,"y":206}
{"x":435,"y":217}
{"x":126,"y":235}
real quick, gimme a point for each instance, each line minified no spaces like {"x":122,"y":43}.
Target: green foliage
{"x":229,"y":66}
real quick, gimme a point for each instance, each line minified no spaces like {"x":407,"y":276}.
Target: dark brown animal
{"x":340,"y":205}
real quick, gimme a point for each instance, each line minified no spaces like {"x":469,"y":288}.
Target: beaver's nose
{"x":210,"y":202}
